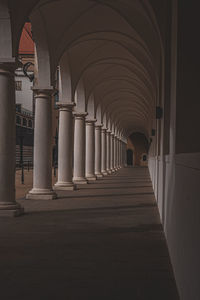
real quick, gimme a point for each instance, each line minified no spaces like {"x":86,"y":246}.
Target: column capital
{"x":66,"y":106}
{"x":90,"y":121}
{"x":98,"y":126}
{"x":103,"y":130}
{"x":8,"y":66}
{"x":108,"y":131}
{"x":112,"y":134}
{"x":80,"y":115}
{"x":42,"y":92}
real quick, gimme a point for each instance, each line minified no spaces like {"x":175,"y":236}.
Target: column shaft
{"x":42,"y":173}
{"x":112,"y":152}
{"x":115,"y":153}
{"x":8,"y":205}
{"x":79,"y":148}
{"x":90,"y":150}
{"x":65,"y":147}
{"x":103,"y":152}
{"x":108,"y":152}
{"x":98,"y":151}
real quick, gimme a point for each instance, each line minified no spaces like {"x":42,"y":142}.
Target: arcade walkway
{"x":103,"y":242}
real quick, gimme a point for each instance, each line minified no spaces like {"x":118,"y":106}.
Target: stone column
{"x":65,"y":147}
{"x":79,"y":148}
{"x":108,"y":152}
{"x":115,"y":152}
{"x":112,"y":152}
{"x":98,"y":151}
{"x":120,"y":144}
{"x":8,"y":205}
{"x":119,"y":153}
{"x":42,"y":172}
{"x":90,"y":150}
{"x":103,"y":152}
{"x":125,"y":154}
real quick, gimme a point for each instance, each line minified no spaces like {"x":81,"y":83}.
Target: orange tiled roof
{"x":26,"y":45}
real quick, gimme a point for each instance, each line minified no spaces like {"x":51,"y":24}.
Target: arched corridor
{"x":99,"y":79}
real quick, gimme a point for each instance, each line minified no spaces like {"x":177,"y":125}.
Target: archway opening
{"x":130,"y":157}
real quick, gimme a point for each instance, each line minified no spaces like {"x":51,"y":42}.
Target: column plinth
{"x":90,"y":151}
{"x":65,"y":147}
{"x":8,"y":204}
{"x":79,"y":148}
{"x":42,"y":172}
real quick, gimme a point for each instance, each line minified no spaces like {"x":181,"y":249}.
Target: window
{"x":24,"y":122}
{"x":18,"y":120}
{"x":18,"y":108}
{"x":18,"y":85}
{"x":30,"y":124}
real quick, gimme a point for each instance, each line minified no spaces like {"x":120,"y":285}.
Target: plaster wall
{"x":25,"y":96}
{"x":178,"y":179}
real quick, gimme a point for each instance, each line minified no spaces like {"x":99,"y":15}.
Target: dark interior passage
{"x":129,"y":157}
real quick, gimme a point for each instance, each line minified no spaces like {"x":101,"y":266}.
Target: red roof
{"x":26,"y":45}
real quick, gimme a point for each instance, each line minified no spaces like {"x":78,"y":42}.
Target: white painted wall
{"x":178,"y":199}
{"x":25,"y":96}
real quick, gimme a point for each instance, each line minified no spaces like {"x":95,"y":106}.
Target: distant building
{"x":24,"y":98}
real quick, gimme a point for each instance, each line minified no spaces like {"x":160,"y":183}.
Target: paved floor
{"x":101,"y":242}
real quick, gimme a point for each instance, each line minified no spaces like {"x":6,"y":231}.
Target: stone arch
{"x":65,"y":80}
{"x":98,"y":114}
{"x":44,"y":76}
{"x":80,"y":98}
{"x":91,"y":108}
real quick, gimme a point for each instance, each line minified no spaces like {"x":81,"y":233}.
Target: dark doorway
{"x":129,"y":157}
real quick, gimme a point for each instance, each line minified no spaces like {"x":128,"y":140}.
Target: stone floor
{"x":101,"y":242}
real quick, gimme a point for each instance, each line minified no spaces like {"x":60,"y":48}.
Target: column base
{"x":41,"y":194}
{"x":109,"y":172}
{"x":80,"y":180}
{"x":11,"y":210}
{"x":113,"y":170}
{"x":105,"y":173}
{"x":99,"y":175}
{"x":91,"y":178}
{"x":64,"y":186}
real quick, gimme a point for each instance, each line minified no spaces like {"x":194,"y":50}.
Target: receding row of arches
{"x":113,"y":66}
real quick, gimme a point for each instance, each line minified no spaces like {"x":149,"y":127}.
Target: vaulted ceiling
{"x":113,"y":46}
